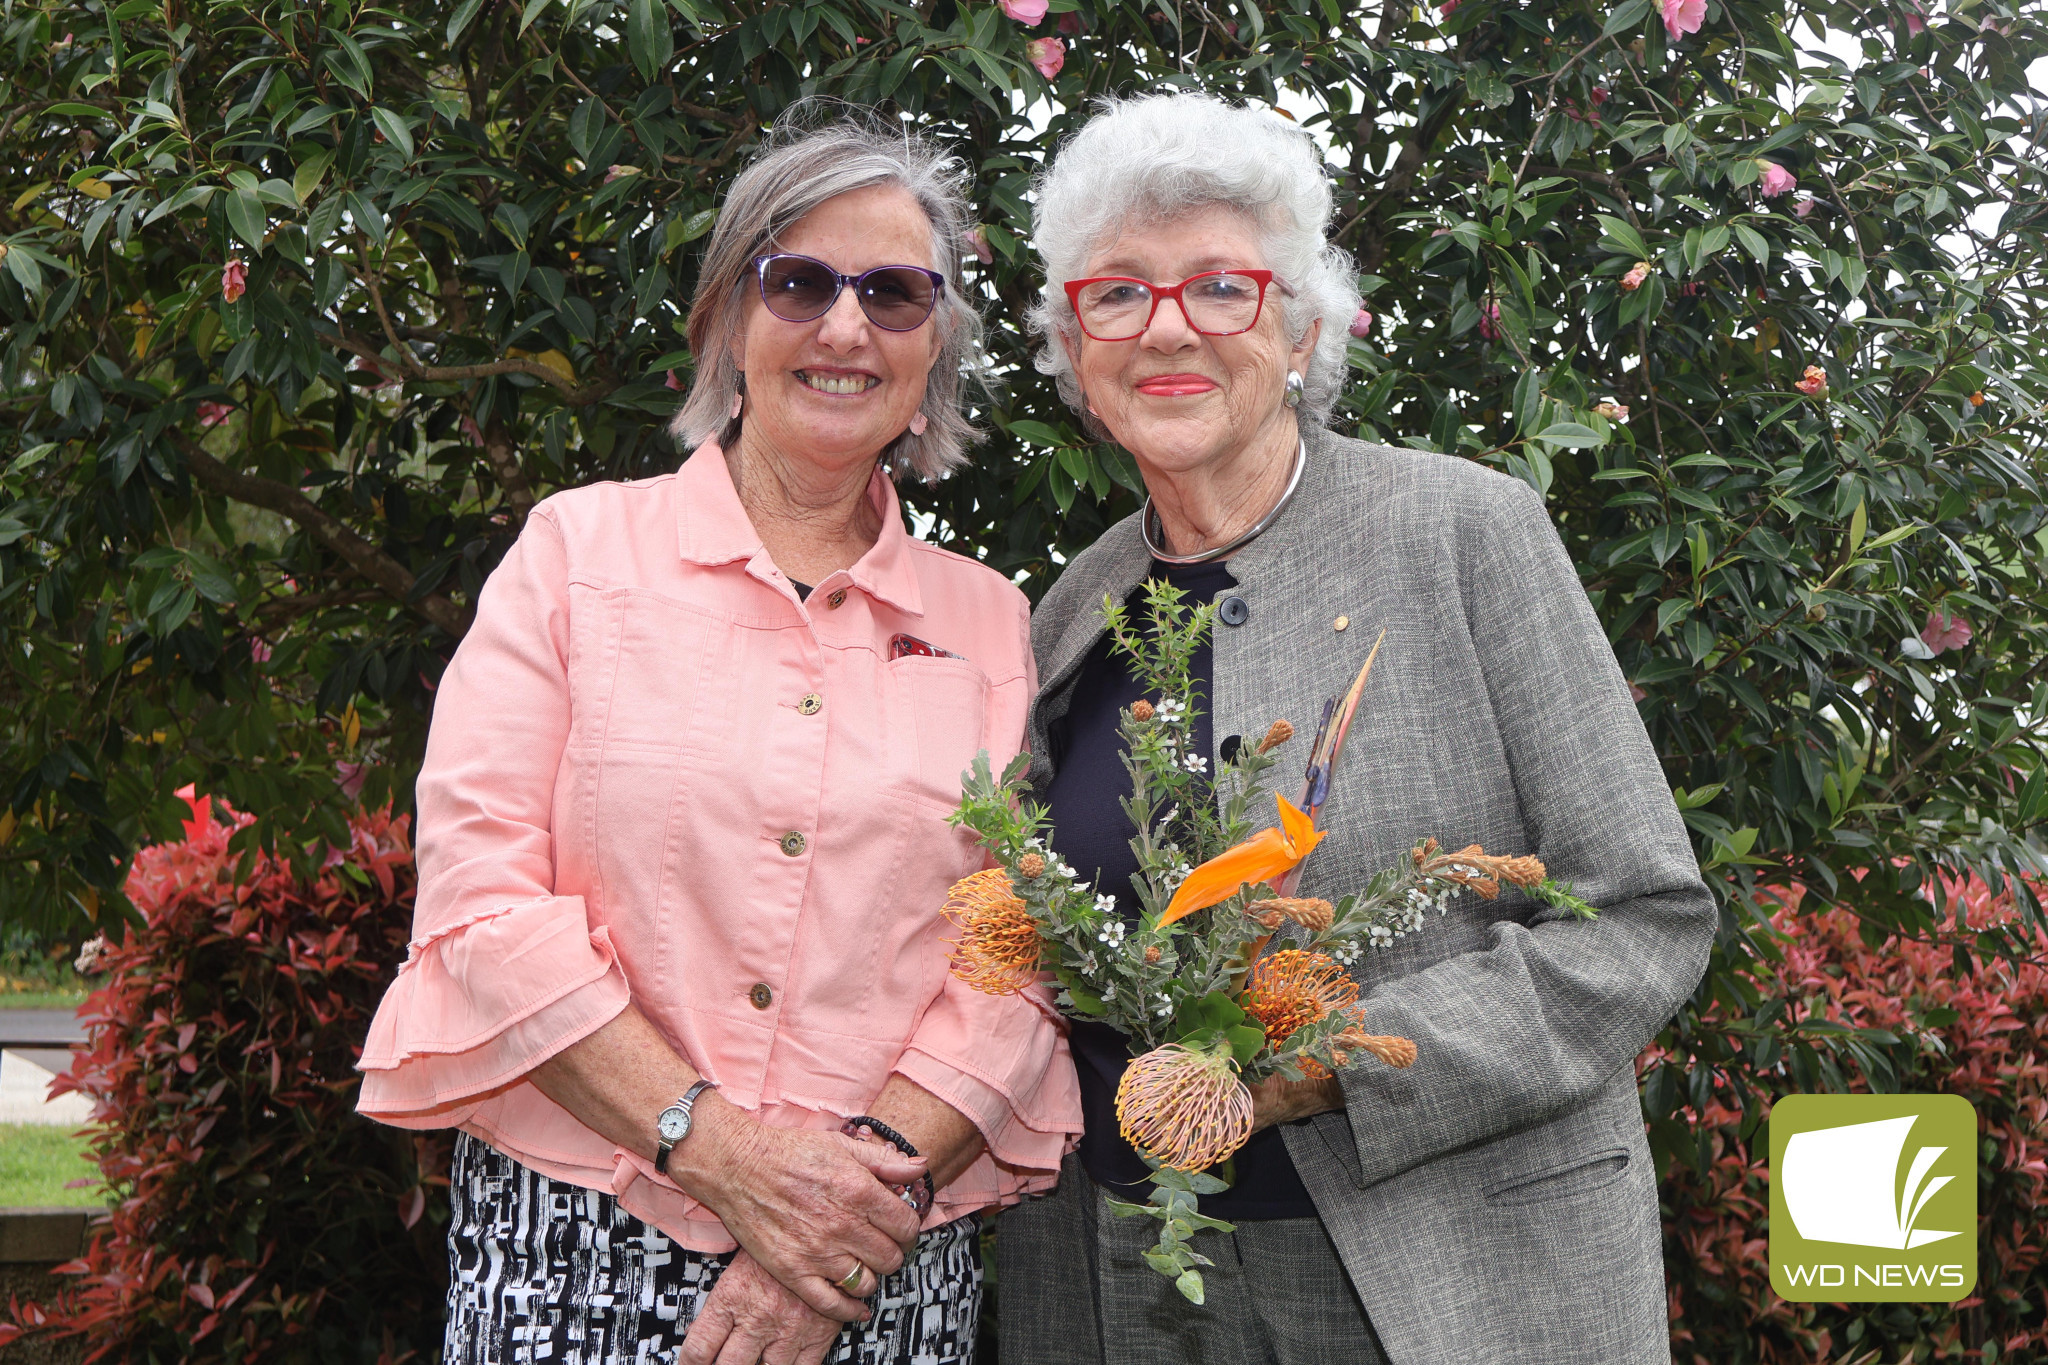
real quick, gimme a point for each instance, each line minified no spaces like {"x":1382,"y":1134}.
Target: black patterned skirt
{"x":541,"y":1270}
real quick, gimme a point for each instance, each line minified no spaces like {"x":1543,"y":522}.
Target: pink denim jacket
{"x":656,"y":774}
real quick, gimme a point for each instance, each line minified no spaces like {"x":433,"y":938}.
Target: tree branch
{"x":503,"y":455}
{"x":330,"y":534}
{"x":574,"y":395}
{"x":1372,"y":251}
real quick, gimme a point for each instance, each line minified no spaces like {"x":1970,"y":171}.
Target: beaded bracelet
{"x":920,"y":1193}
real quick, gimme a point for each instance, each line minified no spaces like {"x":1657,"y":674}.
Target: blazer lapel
{"x":1112,"y":567}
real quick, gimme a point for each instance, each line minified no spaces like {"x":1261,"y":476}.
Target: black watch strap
{"x":920,"y":1194}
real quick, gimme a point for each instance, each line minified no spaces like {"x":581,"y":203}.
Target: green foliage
{"x":253,"y":1214}
{"x":239,"y":537}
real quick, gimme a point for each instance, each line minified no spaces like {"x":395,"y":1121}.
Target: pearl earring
{"x":1294,"y":389}
{"x":918,"y":424}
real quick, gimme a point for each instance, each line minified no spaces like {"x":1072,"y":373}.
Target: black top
{"x":1091,"y":831}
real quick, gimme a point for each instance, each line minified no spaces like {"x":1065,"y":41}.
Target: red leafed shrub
{"x":256,"y":1217}
{"x":1976,"y":1034}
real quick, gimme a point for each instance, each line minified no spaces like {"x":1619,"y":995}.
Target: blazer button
{"x":761,"y":997}
{"x":1234,"y":611}
{"x":793,"y":843}
{"x":837,"y":599}
{"x":810,"y":705}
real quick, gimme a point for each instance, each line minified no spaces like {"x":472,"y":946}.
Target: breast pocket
{"x":945,"y":704}
{"x":658,"y":692}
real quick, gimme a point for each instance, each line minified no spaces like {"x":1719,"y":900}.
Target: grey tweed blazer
{"x":1494,"y":1204}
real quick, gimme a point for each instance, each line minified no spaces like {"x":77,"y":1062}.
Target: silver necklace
{"x":1148,"y":516}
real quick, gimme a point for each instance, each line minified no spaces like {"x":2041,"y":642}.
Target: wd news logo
{"x":1873,"y":1198}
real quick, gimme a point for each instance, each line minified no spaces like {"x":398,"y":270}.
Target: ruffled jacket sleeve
{"x":502,"y":973}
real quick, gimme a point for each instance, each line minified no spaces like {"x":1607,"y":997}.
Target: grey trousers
{"x":1072,"y":1288}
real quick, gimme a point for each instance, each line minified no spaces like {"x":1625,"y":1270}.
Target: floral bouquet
{"x":1189,"y":979}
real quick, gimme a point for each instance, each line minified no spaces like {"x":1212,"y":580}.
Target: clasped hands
{"x":807,"y":1207}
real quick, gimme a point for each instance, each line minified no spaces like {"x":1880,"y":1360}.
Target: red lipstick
{"x":1176,"y":385}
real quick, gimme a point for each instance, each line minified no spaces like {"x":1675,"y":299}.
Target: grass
{"x":24,"y":998}
{"x":39,"y":980}
{"x":35,"y":1161}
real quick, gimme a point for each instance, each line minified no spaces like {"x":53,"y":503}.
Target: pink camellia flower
{"x":1361,"y":324}
{"x":1447,"y":8}
{"x":1637,"y":273}
{"x":259,"y":650}
{"x":1047,"y":54}
{"x":1070,"y":24}
{"x":1489,"y":321}
{"x":1815,"y":381}
{"x":672,"y":382}
{"x":1803,"y":206}
{"x":1916,"y":19}
{"x":213,"y":414}
{"x":1441,"y":232}
{"x":234,"y":280}
{"x":1682,"y":16}
{"x":1776,"y":179}
{"x":1940,"y":633}
{"x":1026,"y":12}
{"x":977,"y":239}
{"x":349,"y":777}
{"x":1600,"y":96}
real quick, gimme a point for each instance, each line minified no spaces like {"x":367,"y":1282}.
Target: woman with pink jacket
{"x":679,"y":972}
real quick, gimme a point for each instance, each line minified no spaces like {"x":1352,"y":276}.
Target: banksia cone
{"x":1395,"y":1052}
{"x":1292,"y":988}
{"x":997,"y":951}
{"x":1311,"y":912}
{"x":1276,"y":736}
{"x":1184,"y":1107}
{"x":1031,"y":865}
{"x":1141,"y":709}
{"x":1473,"y":866}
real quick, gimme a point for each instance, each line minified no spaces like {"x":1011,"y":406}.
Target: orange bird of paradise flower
{"x":1264,"y":856}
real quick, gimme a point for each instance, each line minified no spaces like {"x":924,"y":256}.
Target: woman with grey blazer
{"x":1494,"y":1202}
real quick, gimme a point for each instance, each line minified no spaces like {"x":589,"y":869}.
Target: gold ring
{"x":853,"y":1278}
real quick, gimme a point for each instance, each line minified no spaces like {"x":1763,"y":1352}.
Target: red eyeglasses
{"x":1217,"y":303}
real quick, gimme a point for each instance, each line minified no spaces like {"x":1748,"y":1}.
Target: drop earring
{"x":918,"y":424}
{"x":739,"y":398}
{"x":1294,"y":389}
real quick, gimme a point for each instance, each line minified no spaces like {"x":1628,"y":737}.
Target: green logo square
{"x":1873,"y":1198}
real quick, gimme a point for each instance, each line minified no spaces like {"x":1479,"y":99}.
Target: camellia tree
{"x":304,"y":305}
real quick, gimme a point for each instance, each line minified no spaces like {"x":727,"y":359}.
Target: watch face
{"x":673,"y":1124}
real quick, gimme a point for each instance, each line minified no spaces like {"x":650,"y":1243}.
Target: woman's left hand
{"x":750,"y":1316}
{"x":1279,"y":1100}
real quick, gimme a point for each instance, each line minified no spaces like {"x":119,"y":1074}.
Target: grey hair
{"x":1167,"y":155}
{"x":801,"y":167}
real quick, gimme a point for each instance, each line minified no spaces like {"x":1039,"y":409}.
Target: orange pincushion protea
{"x":1293,"y":988}
{"x":1184,"y":1107}
{"x":997,"y":952}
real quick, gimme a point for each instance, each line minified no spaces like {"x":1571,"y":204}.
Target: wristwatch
{"x":673,"y":1123}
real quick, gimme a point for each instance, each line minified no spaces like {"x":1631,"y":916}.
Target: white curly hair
{"x":1167,"y":155}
